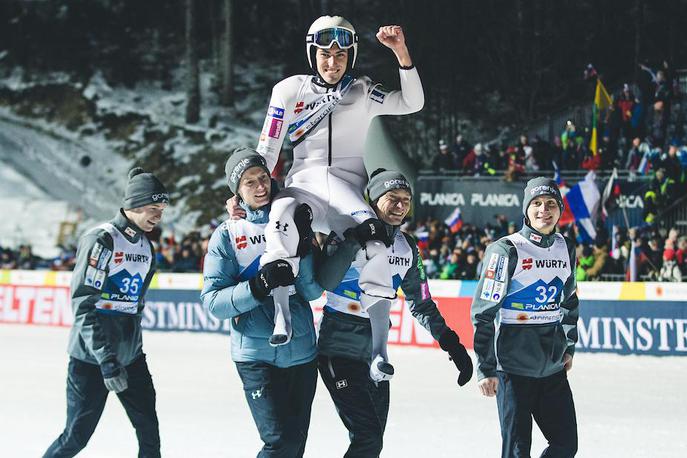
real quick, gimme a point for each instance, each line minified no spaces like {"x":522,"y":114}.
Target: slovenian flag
{"x":581,"y":206}
{"x":454,"y":221}
{"x":644,"y":164}
{"x":422,"y":240}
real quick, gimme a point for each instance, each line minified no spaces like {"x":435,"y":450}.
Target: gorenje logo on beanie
{"x":144,"y":189}
{"x":542,"y":189}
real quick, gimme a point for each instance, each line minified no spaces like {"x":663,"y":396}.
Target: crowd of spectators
{"x":184,"y":255}
{"x":172,"y":254}
{"x":659,"y":255}
{"x":21,"y":258}
{"x":641,"y":132}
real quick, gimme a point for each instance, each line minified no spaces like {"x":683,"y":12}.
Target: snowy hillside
{"x":75,"y":142}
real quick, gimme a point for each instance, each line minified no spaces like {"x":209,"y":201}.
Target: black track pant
{"x":86,"y":396}
{"x":362,"y":405}
{"x":280,"y":400}
{"x":549,"y":401}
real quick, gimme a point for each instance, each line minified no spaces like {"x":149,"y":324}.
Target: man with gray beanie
{"x":525,"y":312}
{"x":278,"y":381}
{"x":352,"y":338}
{"x":114,"y":267}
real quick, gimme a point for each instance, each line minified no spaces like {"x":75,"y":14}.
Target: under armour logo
{"x":341,"y":384}
{"x":279,"y":226}
{"x":257,"y":393}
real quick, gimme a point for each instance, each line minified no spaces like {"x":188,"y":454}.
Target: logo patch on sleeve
{"x":104,"y":259}
{"x":487,"y":289}
{"x":95,"y":254}
{"x":275,"y":112}
{"x":378,"y":93}
{"x":275,"y":128}
{"x":94,"y":277}
{"x":499,"y":289}
{"x":424,"y":290}
{"x":501,"y":267}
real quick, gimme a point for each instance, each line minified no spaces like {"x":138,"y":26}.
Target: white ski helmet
{"x":327,"y":30}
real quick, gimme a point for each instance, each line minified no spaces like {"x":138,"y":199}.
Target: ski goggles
{"x":345,"y":38}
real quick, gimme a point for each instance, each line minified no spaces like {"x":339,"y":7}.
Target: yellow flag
{"x":601,"y":99}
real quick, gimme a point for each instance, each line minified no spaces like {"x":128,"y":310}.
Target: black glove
{"x":303,"y":219}
{"x":370,"y":229}
{"x":450,"y":343}
{"x":276,"y":273}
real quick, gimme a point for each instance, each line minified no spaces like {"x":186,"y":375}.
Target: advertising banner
{"x":624,"y":318}
{"x":480,"y":200}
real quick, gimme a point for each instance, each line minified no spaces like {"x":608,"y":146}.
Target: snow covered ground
{"x":30,"y":216}
{"x":627,"y":406}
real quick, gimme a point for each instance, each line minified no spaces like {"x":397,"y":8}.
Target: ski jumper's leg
{"x":281,"y":243}
{"x":375,"y":280}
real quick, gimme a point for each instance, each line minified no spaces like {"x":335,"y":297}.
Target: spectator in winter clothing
{"x":670,"y":270}
{"x":672,"y":165}
{"x":461,"y":148}
{"x":624,"y":107}
{"x":444,"y":160}
{"x":600,"y":254}
{"x":468,"y":271}
{"x":450,"y":270}
{"x":681,"y":253}
{"x":635,"y":155}
{"x":584,"y":262}
{"x":516,"y":163}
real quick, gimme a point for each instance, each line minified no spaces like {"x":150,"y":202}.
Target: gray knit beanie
{"x":383,"y":181}
{"x":241,"y":160}
{"x":144,"y":189}
{"x":541,"y":186}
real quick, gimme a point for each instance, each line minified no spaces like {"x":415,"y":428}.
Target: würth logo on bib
{"x":527,"y":264}
{"x":551,"y":264}
{"x":120,"y":256}
{"x":241,"y":242}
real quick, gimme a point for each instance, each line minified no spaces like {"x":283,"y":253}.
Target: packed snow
{"x":627,"y":406}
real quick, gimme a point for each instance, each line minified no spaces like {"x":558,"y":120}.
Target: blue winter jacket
{"x":226,"y":294}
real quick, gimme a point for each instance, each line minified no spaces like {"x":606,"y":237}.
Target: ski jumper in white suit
{"x":328,"y":126}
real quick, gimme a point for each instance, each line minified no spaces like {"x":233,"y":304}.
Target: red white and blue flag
{"x":454,"y":221}
{"x":611,"y":194}
{"x":582,"y":207}
{"x":422,"y":240}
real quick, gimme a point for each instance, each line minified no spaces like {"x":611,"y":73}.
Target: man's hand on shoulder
{"x":234,"y":210}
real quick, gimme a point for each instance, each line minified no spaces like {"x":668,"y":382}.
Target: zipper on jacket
{"x":330,"y":140}
{"x":329,"y":150}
